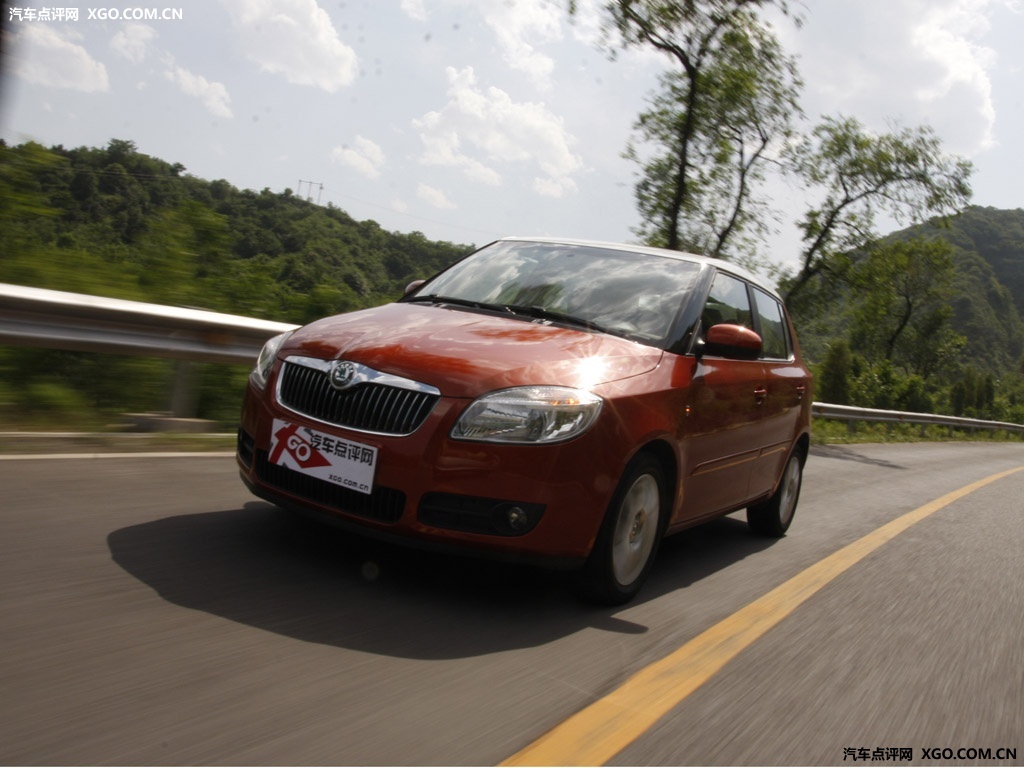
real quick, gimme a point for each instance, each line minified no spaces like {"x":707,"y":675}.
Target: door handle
{"x":800,"y":390}
{"x":760,"y":394}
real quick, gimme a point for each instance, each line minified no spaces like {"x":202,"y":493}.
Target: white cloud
{"x":480,"y":130}
{"x":442,"y":146}
{"x":55,"y":61}
{"x":915,"y":61}
{"x":553,"y":187}
{"x":520,"y":27}
{"x":295,"y":39}
{"x":214,"y":96}
{"x":414,"y":9}
{"x":435,"y":197}
{"x":132,"y":41}
{"x":947,"y":37}
{"x":588,"y":23}
{"x":366,"y":157}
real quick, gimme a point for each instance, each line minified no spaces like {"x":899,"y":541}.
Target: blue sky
{"x":469,"y":120}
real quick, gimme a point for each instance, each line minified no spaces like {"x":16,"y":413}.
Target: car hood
{"x":466,"y":354}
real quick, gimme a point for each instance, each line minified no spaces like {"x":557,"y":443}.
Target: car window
{"x":632,"y":294}
{"x":774,"y":330}
{"x":728,"y":302}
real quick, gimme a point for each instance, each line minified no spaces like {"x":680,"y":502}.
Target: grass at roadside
{"x":831,"y":432}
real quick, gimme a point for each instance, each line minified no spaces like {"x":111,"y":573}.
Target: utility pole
{"x":309,"y":190}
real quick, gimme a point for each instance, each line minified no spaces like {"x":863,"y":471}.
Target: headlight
{"x":266,"y":359}
{"x":528,"y":415}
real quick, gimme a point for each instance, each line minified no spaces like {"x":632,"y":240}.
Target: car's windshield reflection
{"x":631,"y":294}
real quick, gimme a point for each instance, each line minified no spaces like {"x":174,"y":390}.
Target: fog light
{"x":474,"y":514}
{"x":517,"y":518}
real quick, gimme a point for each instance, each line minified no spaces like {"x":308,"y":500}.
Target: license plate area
{"x":336,"y":460}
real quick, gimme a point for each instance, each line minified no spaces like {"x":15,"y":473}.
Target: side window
{"x":774,"y":330}
{"x":728,"y":302}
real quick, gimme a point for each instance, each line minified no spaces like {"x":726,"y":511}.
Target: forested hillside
{"x":116,"y":222}
{"x":988,"y":302}
{"x":927,"y":320}
{"x":998,"y":237}
{"x":930,"y":319}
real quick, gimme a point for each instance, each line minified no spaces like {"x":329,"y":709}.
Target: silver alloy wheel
{"x":790,"y":491}
{"x":636,"y":529}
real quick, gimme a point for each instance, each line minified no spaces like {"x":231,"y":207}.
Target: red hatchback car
{"x":562,"y":402}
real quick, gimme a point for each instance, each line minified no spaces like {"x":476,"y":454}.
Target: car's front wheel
{"x":629,"y":536}
{"x":773,"y":517}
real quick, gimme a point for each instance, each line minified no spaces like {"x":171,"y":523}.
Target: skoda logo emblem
{"x":342,"y":374}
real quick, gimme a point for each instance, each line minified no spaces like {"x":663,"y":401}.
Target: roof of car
{"x":728,"y":266}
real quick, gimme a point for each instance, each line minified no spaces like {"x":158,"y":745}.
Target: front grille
{"x":384,"y":504}
{"x":366,"y":406}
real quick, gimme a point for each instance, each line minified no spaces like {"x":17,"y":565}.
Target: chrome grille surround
{"x":368,"y":401}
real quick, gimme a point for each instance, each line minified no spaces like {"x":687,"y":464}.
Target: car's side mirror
{"x":730,"y":341}
{"x":413,"y":286}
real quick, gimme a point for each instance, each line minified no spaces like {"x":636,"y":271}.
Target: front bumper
{"x":539,"y":504}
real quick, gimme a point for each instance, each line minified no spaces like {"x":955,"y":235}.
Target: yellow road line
{"x":597,"y":733}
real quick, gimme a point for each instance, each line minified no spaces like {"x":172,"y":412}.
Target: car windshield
{"x":631,"y":294}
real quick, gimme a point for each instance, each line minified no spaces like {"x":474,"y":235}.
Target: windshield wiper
{"x":434,"y":298}
{"x":540,"y":313}
{"x":533,"y":311}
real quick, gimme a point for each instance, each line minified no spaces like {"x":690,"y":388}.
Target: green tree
{"x":26,"y":214}
{"x":705,"y":139}
{"x":836,"y":374}
{"x":115,"y":222}
{"x":913,"y":396}
{"x":858,"y":175}
{"x":902,"y":313}
{"x":974,"y":394}
{"x":876,"y":386}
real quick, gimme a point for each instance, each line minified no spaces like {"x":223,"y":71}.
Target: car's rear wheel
{"x":773,"y":517}
{"x":629,"y":536}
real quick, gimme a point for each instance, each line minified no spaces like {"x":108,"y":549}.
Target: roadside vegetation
{"x":924,"y":319}
{"x":115,"y":222}
{"x":830,"y":432}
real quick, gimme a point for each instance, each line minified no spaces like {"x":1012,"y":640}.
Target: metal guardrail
{"x":58,"y":320}
{"x":851,"y":414}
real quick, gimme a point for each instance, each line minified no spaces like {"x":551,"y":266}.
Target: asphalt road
{"x":155,"y":613}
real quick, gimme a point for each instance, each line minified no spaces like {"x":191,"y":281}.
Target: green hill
{"x":119,"y":223}
{"x":989,"y":301}
{"x":975,"y":333}
{"x":113,"y":221}
{"x":987,"y":297}
{"x":998,"y":237}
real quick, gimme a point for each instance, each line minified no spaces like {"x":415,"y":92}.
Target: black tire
{"x":628,"y":541}
{"x":773,"y":517}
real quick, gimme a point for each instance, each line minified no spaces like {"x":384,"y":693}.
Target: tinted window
{"x":774,"y":331}
{"x":728,"y":302}
{"x":636,"y":295}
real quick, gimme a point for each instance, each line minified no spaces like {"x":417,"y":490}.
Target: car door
{"x":786,"y":392}
{"x":724,"y":410}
